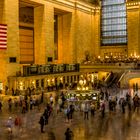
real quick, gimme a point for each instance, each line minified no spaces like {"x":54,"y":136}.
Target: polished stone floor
{"x":115,"y":126}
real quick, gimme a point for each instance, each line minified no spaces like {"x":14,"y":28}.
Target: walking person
{"x":103,"y":109}
{"x":51,"y":99}
{"x":71,"y":111}
{"x":86,"y":110}
{"x":123,"y":105}
{"x":69,"y":134}
{"x":42,"y":97}
{"x":92,"y":109}
{"x":18,"y":125}
{"x":10,"y":125}
{"x":66,"y":114}
{"x":23,"y":106}
{"x":42,"y":123}
{"x":31,"y":104}
{"x":18,"y":122}
{"x":0,"y":106}
{"x":10,"y":104}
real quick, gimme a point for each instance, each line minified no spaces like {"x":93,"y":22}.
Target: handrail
{"x":107,"y":77}
{"x":122,"y":76}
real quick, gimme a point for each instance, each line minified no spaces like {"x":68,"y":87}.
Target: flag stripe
{"x":3,"y":43}
{"x":1,"y":47}
{"x":3,"y":36}
{"x":3,"y":25}
{"x":3,"y":40}
{"x":2,"y":32}
{"x":2,"y":28}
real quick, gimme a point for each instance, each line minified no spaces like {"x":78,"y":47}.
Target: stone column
{"x":133,"y":30}
{"x":43,"y":33}
{"x":49,"y":9}
{"x":39,"y":35}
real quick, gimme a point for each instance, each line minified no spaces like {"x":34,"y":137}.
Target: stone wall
{"x":133,"y":15}
{"x":9,"y":16}
{"x":79,"y":32}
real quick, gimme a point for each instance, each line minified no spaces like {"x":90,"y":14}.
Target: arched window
{"x":113,"y":22}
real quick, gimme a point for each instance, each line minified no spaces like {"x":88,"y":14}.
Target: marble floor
{"x":115,"y":126}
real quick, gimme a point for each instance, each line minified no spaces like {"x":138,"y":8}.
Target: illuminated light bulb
{"x":78,"y":88}
{"x":83,"y":88}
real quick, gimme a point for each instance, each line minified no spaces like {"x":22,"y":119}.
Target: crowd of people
{"x":87,"y":107}
{"x":60,"y":104}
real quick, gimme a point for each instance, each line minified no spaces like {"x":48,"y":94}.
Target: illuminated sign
{"x":49,"y":69}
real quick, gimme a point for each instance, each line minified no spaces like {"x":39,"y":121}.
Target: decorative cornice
{"x":132,"y":3}
{"x":78,"y":5}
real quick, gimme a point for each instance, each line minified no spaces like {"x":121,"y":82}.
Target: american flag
{"x":3,"y":36}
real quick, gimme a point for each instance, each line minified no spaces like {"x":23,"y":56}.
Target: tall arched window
{"x":113,"y":22}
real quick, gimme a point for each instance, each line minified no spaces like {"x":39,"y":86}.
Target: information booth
{"x":83,"y":95}
{"x":77,"y":97}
